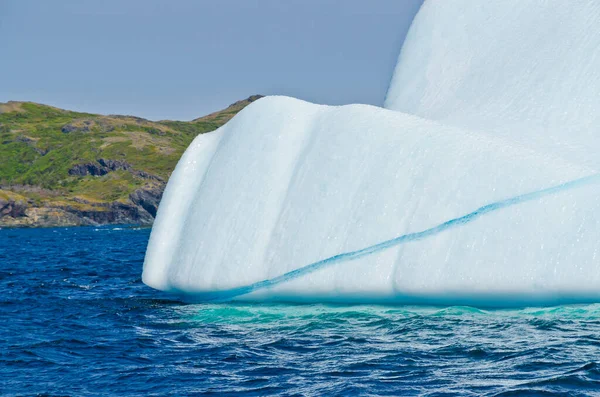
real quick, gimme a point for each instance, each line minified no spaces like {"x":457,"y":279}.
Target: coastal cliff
{"x":65,"y":168}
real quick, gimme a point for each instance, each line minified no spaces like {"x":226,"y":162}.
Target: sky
{"x":181,"y":59}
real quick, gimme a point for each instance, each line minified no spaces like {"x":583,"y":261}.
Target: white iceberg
{"x":479,"y":186}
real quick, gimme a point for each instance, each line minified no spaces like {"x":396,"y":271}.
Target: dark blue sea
{"x":76,"y":320}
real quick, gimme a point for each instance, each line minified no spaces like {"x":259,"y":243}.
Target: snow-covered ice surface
{"x":479,"y":187}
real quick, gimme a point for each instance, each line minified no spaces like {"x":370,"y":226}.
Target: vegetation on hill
{"x":59,"y":167}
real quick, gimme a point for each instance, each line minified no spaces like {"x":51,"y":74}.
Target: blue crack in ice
{"x":351,"y":255}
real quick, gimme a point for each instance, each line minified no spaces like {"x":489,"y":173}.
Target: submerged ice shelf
{"x":292,"y":200}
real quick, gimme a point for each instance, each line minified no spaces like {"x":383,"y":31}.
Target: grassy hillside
{"x":54,"y":160}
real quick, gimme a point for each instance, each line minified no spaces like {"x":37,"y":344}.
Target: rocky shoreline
{"x":140,"y":209}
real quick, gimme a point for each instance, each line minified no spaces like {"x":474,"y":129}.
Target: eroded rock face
{"x":113,"y":213}
{"x":148,"y":198}
{"x":99,"y":167}
{"x":12,"y":208}
{"x":12,"y":215}
{"x":53,"y":210}
{"x":104,"y":166}
{"x":140,"y":209}
{"x":93,"y":169}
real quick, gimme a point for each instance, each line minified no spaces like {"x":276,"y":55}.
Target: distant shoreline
{"x":62,"y":168}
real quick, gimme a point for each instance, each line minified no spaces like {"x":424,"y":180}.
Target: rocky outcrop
{"x":148,"y":198}
{"x":93,"y":169}
{"x":104,"y":166}
{"x":54,"y":211}
{"x":145,"y":175}
{"x":112,"y":213}
{"x":73,"y":215}
{"x":99,"y":167}
{"x":12,"y":208}
{"x":140,"y":209}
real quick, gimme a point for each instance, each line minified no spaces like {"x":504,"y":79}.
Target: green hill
{"x":59,"y":167}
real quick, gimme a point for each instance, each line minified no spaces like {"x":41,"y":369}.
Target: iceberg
{"x":523,"y":70}
{"x":476,"y":184}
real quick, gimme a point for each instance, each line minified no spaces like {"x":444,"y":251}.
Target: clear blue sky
{"x":181,"y":59}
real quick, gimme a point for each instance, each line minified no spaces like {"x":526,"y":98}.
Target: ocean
{"x":76,"y":320}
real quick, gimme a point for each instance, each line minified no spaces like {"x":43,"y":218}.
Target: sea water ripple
{"x":76,"y":320}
